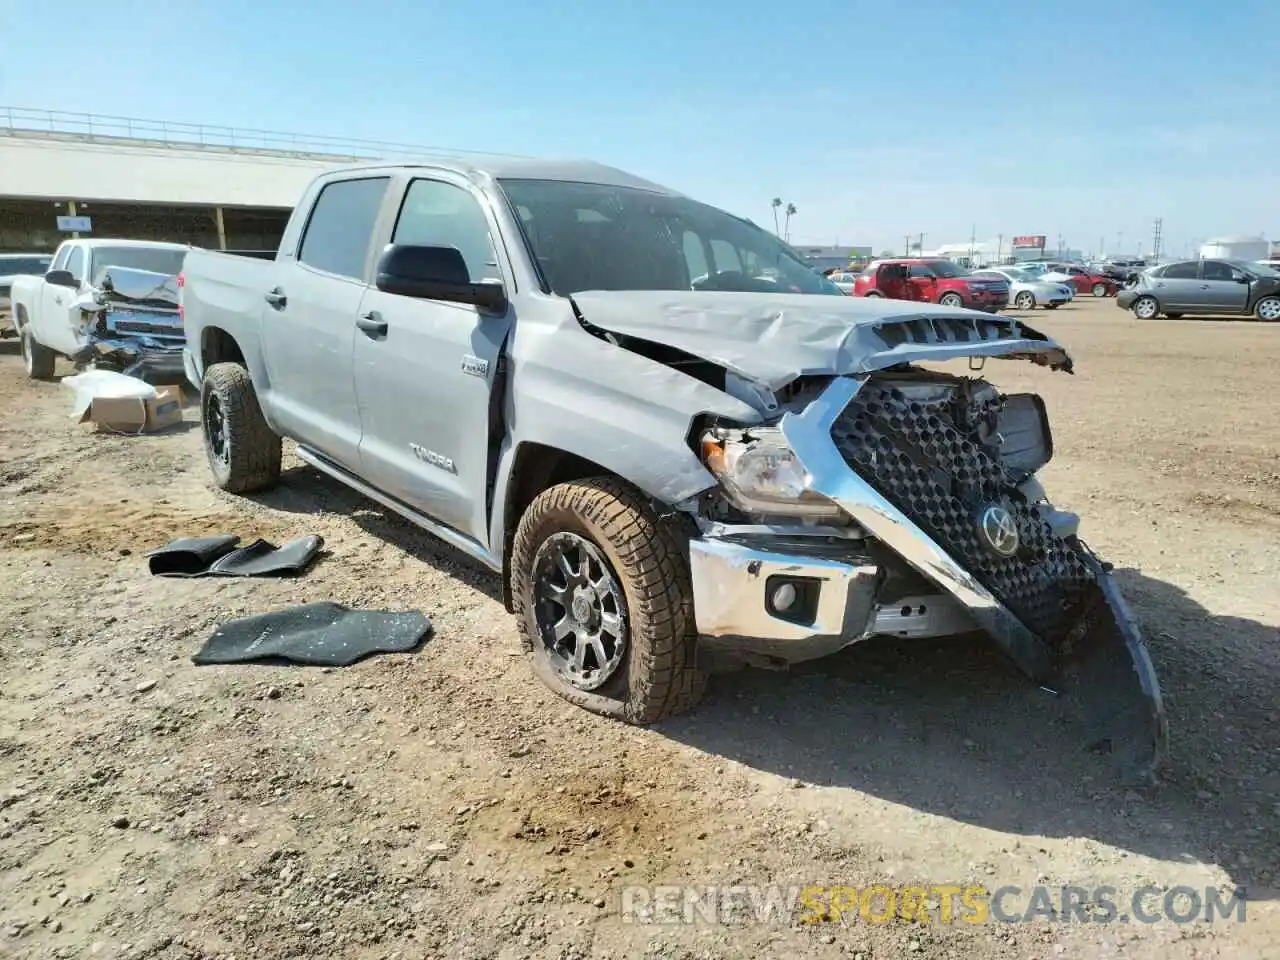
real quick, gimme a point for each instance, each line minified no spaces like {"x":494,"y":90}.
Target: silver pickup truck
{"x":681,"y":448}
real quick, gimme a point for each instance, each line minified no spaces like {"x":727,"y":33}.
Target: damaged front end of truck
{"x":130,"y":322}
{"x":879,"y":496}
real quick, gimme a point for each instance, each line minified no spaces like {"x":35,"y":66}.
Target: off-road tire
{"x":38,"y":359}
{"x":648,"y":554}
{"x":1024,"y":301}
{"x":253,"y":455}
{"x":1267,"y":305}
{"x":952,"y":300}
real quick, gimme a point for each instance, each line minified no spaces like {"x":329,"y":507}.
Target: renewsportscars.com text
{"x":933,"y":903}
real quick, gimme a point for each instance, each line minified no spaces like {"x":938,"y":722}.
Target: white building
{"x":1236,"y":247}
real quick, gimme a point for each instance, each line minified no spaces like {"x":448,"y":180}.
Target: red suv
{"x":931,"y":281}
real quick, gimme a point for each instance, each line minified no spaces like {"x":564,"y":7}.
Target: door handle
{"x":59,"y":301}
{"x":276,"y":298}
{"x":372,"y":324}
{"x":1204,"y":286}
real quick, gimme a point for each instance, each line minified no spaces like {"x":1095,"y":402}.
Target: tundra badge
{"x":475,"y":366}
{"x":433,"y":458}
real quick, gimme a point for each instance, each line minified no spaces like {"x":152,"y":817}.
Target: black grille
{"x":927,"y":458}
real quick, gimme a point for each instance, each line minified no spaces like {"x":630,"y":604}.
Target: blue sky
{"x":876,"y":119}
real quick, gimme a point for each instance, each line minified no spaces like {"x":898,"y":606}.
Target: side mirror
{"x":1242,"y":278}
{"x":435,"y":273}
{"x":62,"y":278}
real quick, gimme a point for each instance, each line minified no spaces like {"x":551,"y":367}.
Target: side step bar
{"x":450,"y":536}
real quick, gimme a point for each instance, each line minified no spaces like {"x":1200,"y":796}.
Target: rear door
{"x":922,"y":283}
{"x":424,"y":379}
{"x":1177,"y":286}
{"x":309,"y":318}
{"x":1222,"y":289}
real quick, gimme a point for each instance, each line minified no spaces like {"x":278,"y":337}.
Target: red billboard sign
{"x":1037,"y":242}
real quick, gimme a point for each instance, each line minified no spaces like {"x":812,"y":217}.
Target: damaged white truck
{"x":109,"y":304}
{"x":682,"y":449}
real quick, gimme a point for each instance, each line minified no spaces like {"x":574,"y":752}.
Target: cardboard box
{"x":132,"y":415}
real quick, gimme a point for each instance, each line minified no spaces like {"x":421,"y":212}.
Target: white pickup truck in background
{"x":110,"y":303}
{"x":13,"y":265}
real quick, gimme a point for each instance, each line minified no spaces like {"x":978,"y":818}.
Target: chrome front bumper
{"x":837,"y":602}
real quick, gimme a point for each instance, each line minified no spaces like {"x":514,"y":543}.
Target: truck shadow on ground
{"x":948,"y":727}
{"x":304,"y":490}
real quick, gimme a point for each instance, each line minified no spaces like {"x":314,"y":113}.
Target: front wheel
{"x":602,"y":591}
{"x":1146,"y":308}
{"x":1099,"y":290}
{"x":1025,"y":301}
{"x":38,"y":359}
{"x":951,"y":300}
{"x":1268,"y":309}
{"x":244,"y":452}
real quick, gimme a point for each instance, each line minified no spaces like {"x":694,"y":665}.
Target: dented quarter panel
{"x":774,"y":339}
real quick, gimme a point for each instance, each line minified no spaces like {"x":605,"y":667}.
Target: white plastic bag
{"x":105,"y":384}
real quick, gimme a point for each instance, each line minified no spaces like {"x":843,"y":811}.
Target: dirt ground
{"x":443,"y":804}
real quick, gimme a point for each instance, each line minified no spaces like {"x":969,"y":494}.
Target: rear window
{"x":340,"y":230}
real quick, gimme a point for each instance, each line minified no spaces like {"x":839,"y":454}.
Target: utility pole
{"x":1102,"y":247}
{"x":1155,"y":240}
{"x":973,"y":239}
{"x":906,"y":245}
{"x":920,"y":245}
{"x":1120,"y":243}
{"x":999,"y":249}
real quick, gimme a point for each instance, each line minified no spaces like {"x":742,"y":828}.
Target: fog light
{"x":783,"y":597}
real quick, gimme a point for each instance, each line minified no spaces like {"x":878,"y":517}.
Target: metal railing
{"x":15,"y":121}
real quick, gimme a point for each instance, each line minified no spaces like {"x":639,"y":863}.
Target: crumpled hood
{"x":775,"y":338}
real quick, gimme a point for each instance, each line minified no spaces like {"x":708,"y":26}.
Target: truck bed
{"x":223,"y":289}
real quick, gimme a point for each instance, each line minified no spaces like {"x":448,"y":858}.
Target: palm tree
{"x":777,"y":202}
{"x":786,"y":224}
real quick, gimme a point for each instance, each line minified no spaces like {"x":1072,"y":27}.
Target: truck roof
{"x":523,"y":168}
{"x":95,"y":242}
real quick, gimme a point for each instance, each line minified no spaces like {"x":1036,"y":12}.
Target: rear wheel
{"x":1268,"y":309}
{"x":244,"y":452}
{"x":602,"y":592}
{"x":1146,"y":308}
{"x":38,"y":359}
{"x":951,"y":300}
{"x":1099,"y":290}
{"x":1025,"y":301}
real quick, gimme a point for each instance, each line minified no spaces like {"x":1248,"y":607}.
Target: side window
{"x":1187,"y":270}
{"x":725,"y":256}
{"x":1217,"y":270}
{"x":341,"y":226}
{"x":437,"y":214}
{"x":75,"y":262}
{"x":919,"y":270}
{"x":694,"y":256}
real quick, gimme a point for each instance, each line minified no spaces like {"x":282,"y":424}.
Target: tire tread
{"x":256,"y":450}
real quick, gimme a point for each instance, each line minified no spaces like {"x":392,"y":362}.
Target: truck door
{"x":52,"y":324}
{"x":308,"y":319}
{"x":424,"y":369}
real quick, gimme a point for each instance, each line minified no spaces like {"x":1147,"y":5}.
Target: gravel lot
{"x":443,"y":804}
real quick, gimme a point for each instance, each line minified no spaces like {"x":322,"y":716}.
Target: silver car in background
{"x":1027,"y":291}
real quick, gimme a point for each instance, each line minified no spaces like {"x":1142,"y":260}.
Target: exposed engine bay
{"x":131,"y":323}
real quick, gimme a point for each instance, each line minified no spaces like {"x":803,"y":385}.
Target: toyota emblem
{"x":998,"y":530}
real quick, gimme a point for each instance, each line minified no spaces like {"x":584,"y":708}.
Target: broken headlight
{"x":760,"y":474}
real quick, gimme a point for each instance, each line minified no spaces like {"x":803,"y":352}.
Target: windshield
{"x":156,"y":259}
{"x":945,"y":268}
{"x":587,"y":236}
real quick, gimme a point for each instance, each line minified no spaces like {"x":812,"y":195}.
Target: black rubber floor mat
{"x":218,"y":556}
{"x":314,"y":634}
